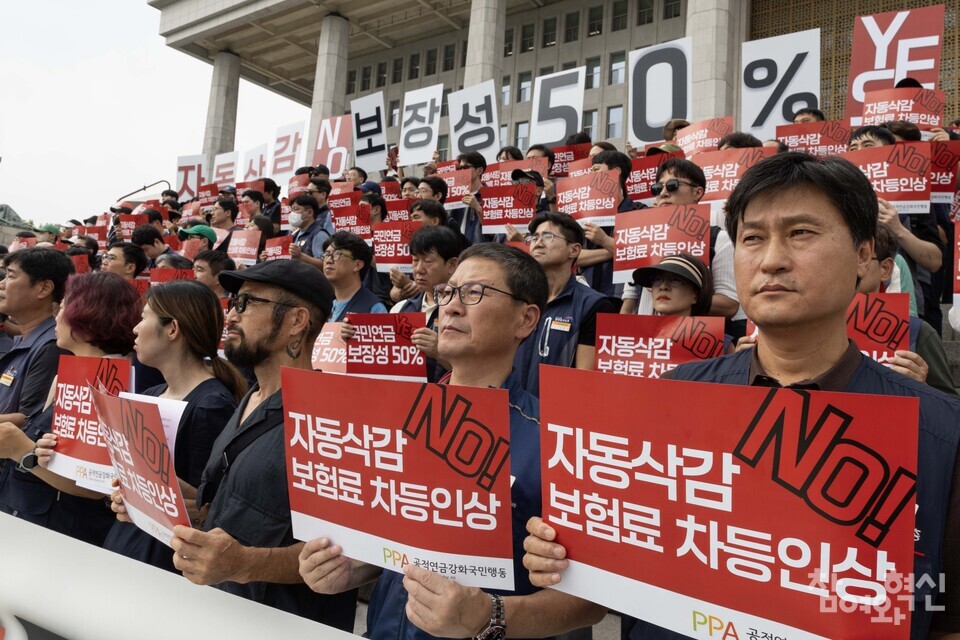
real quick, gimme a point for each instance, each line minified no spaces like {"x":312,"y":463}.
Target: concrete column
{"x":221,"y":129}
{"x":330,"y":80}
{"x":488,"y":19}
{"x":718,"y":28}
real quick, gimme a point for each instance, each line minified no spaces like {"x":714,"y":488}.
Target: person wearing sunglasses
{"x":567,"y":331}
{"x":490,"y":305}
{"x":278,"y":311}
{"x":681,"y":182}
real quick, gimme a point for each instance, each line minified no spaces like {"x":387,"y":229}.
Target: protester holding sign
{"x":181,"y":327}
{"x":246,"y":545}
{"x":567,"y":331}
{"x":346,"y":262}
{"x":682,"y":182}
{"x":96,"y":321}
{"x":313,"y":226}
{"x":492,"y":302}
{"x":596,"y":260}
{"x":793,"y":218}
{"x":917,"y":235}
{"x":467,"y":218}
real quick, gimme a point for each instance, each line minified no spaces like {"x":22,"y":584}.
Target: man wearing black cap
{"x":246,"y":545}
{"x":229,"y":192}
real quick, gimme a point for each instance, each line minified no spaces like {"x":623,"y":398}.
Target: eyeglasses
{"x":465,"y":166}
{"x":470,"y":293}
{"x":672,"y":185}
{"x":313,"y":192}
{"x":109,"y":257}
{"x":241,"y":300}
{"x":546,"y":237}
{"x":671,"y":281}
{"x":336,"y":255}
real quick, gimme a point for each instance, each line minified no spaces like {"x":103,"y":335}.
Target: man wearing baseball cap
{"x":48,"y":233}
{"x":245,"y":545}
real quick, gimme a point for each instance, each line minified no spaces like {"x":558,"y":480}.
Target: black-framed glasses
{"x":670,"y":280}
{"x":336,"y":255}
{"x":671,"y":185}
{"x":240,"y":301}
{"x":470,"y":293}
{"x":547,"y":237}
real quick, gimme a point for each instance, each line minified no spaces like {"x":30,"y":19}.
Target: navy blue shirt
{"x":386,"y":618}
{"x":936,"y":470}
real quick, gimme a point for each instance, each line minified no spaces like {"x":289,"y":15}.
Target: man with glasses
{"x":567,"y":331}
{"x":489,"y":306}
{"x":432,"y":188}
{"x":125,"y":259}
{"x":435,"y":252}
{"x":346,"y":260}
{"x":246,"y":545}
{"x":223,"y":216}
{"x":467,"y":218}
{"x":681,"y":182}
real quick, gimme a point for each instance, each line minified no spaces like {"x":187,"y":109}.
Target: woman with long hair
{"x":96,"y":320}
{"x":179,"y":334}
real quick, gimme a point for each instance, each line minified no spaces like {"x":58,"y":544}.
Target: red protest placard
{"x":591,"y":198}
{"x":207,"y":196}
{"x":390,"y":190}
{"x":643,"y":173}
{"x":458,"y":187}
{"x":391,"y":245}
{"x":250,"y":185}
{"x":191,"y":247}
{"x":81,"y":263}
{"x":382,"y":348}
{"x":341,"y":187}
{"x":500,"y":174}
{"x":447,"y":167}
{"x":278,"y":248}
{"x":579,"y":167}
{"x":22,"y":243}
{"x":245,"y":214}
{"x":649,"y":346}
{"x":922,"y":107}
{"x":133,"y":431}
{"x":723,"y":170}
{"x":129,"y":222}
{"x":245,"y":246}
{"x":511,"y":204}
{"x":666,"y":513}
{"x":645,"y":237}
{"x":399,"y":209}
{"x":100,"y":234}
{"x":816,"y":138}
{"x":329,"y":350}
{"x":563,"y":156}
{"x":890,"y":46}
{"x":298,"y":185}
{"x":704,"y":135}
{"x":334,"y":139}
{"x":81,"y":453}
{"x":422,"y":475}
{"x":944,"y":158}
{"x":879,"y":323}
{"x":141,"y":285}
{"x":159,"y":276}
{"x":344,"y":201}
{"x":172,"y":241}
{"x":354,"y":219}
{"x":899,"y":173}
{"x":285,"y":216}
{"x":190,"y":210}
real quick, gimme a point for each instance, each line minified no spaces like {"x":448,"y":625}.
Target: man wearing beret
{"x":245,"y":545}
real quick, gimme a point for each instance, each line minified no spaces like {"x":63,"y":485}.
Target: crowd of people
{"x":801,"y":236}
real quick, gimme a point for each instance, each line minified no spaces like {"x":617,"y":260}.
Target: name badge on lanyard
{"x":8,"y":376}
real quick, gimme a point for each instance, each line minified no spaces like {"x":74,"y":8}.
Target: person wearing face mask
{"x":313,"y":227}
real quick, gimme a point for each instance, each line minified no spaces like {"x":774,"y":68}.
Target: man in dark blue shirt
{"x":803,"y":231}
{"x":491,"y":303}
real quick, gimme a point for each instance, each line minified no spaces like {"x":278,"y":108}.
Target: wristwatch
{"x":28,"y":462}
{"x":497,"y":627}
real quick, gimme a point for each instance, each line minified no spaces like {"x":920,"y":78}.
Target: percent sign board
{"x":780,"y":76}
